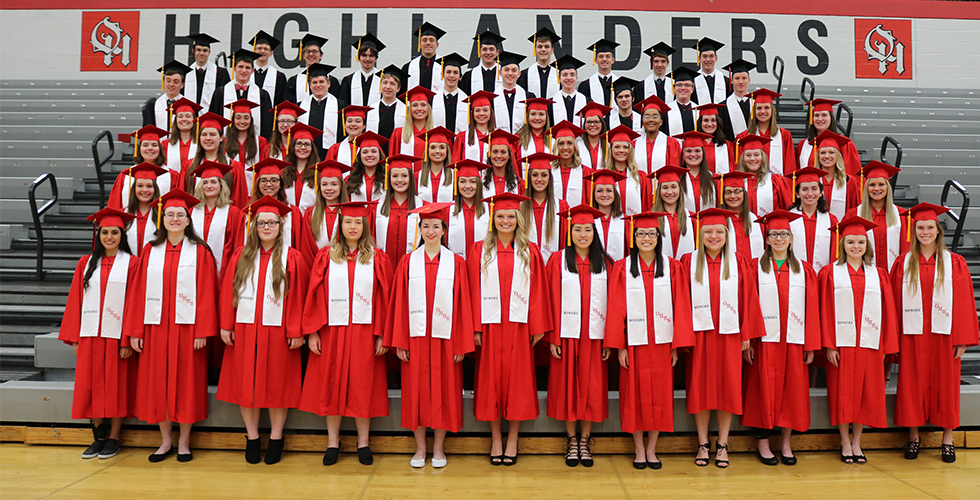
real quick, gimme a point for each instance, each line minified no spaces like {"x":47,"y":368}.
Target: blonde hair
{"x":658,"y":206}
{"x":575,"y":159}
{"x":339,"y":252}
{"x":246,"y":263}
{"x":631,"y":166}
{"x":525,"y":133}
{"x":320,"y":207}
{"x":409,"y":129}
{"x":550,"y":208}
{"x":891,"y":217}
{"x":869,"y":252}
{"x":765,"y":262}
{"x":447,"y":172}
{"x":840,"y":171}
{"x":912,"y":274}
{"x":521,"y":243}
{"x":760,"y":176}
{"x":702,"y":260}
{"x":753,"y":124}
{"x":224,"y":196}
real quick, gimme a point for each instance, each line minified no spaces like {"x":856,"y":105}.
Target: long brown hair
{"x":160,"y":235}
{"x":658,"y":206}
{"x":339,"y":252}
{"x":390,"y":193}
{"x":159,"y":161}
{"x":478,"y":205}
{"x":99,"y":251}
{"x":753,"y":124}
{"x":471,"y":137}
{"x":510,"y":173}
{"x":765,"y":262}
{"x":233,"y":148}
{"x":190,"y":181}
{"x":447,"y":173}
{"x":702,"y":259}
{"x":356,"y":177}
{"x":320,"y":207}
{"x":706,"y":185}
{"x":550,"y":208}
{"x":869,"y":252}
{"x":246,"y":263}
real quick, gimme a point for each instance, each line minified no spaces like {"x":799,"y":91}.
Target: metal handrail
{"x":101,"y":162}
{"x":960,"y":217}
{"x":36,"y":215}
{"x":898,"y":157}
{"x":221,"y":60}
{"x":778,"y":67}
{"x":813,"y":89}
{"x":845,"y":131}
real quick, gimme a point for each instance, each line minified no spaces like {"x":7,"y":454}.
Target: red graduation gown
{"x":173,"y":377}
{"x":238,"y":185}
{"x":105,"y":385}
{"x":259,"y":370}
{"x":852,"y":160}
{"x":331,"y":219}
{"x":262,"y":153}
{"x":578,"y":385}
{"x":673,"y":153}
{"x":810,"y":226}
{"x":777,"y":383}
{"x":782,"y":192}
{"x":398,"y":237}
{"x":234,"y":236}
{"x":115,"y":194}
{"x":505,"y":380}
{"x":395,"y":145}
{"x":714,"y":370}
{"x":709,"y":156}
{"x":929,"y":377}
{"x":856,"y":387}
{"x":459,"y":145}
{"x":346,"y":379}
{"x":789,"y":151}
{"x":743,"y":242}
{"x":432,"y":384}
{"x":880,"y":217}
{"x":646,"y":388}
{"x":141,"y":221}
{"x":586,"y":183}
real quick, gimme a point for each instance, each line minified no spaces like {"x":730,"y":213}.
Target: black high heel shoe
{"x":585,"y":451}
{"x":721,"y":464}
{"x":912,"y":449}
{"x":703,"y":462}
{"x":571,"y":451}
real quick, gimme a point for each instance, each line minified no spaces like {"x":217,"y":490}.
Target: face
{"x":605,"y":195}
{"x":110,"y":237}
{"x":210,"y":139}
{"x":370,"y":156}
{"x":175,"y":219}
{"x":354,"y":125}
{"x":821,"y":120}
{"x":651,"y":120}
{"x":582,"y":235}
{"x":264,"y":51}
{"x":481,"y":115}
{"x":660,"y":65}
{"x":242,"y":121}
{"x":740,"y":82}
{"x":285,"y":122}
{"x":753,"y":159}
{"x":389,"y":87}
{"x":185,"y":121}
{"x":211,"y":187}
{"x":499,"y":156}
{"x":620,"y":151}
{"x":505,"y":221}
{"x":763,"y":112}
{"x":330,"y":188}
{"x":683,"y":90}
{"x":926,"y":231}
{"x":400,"y":180}
{"x":144,"y":190}
{"x":432,"y":230}
{"x":779,"y":239}
{"x":569,"y":77}
{"x":604,"y":61}
{"x":734,"y":197}
{"x":709,"y":123}
{"x":827,"y":158}
{"x":809,"y":193}
{"x":877,"y":188}
{"x":488,"y":54}
{"x":540,"y":179}
{"x":509,"y":74}
{"x":450,"y":76}
{"x":467,"y":186}
{"x":593,"y":126}
{"x":368,"y":59}
{"x":646,"y":238}
{"x":855,"y":245}
{"x":267,"y":226}
{"x":269,"y":184}
{"x":708,"y":59}
{"x":201,"y":54}
{"x":670,"y":192}
{"x":243,"y":70}
{"x":438,"y":151}
{"x":353,"y":228}
{"x":420,"y":110}
{"x":566,"y":147}
{"x":319,"y":85}
{"x":429,"y":45}
{"x":172,"y":84}
{"x":693,"y":156}
{"x":544,"y":49}
{"x":303,"y":148}
{"x":149,"y":150}
{"x":624,"y":100}
{"x":537,"y":119}
{"x":312,"y":54}
{"x":715,"y":237}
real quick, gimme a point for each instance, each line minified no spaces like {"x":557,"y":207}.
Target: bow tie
{"x":170,"y":102}
{"x":260,"y":71}
{"x":685,"y":107}
{"x":543,"y":69}
{"x":241,"y":88}
{"x":510,"y":93}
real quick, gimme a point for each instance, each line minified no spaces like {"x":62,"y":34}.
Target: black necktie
{"x":170,"y":102}
{"x":661,"y":93}
{"x":260,"y":72}
{"x":710,"y":81}
{"x":365,"y":88}
{"x":200,"y":73}
{"x":260,"y":77}
{"x":543,"y":80}
{"x":569,"y":106}
{"x":605,"y":80}
{"x":450,"y":102}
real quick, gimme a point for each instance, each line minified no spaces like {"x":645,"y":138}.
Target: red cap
{"x":241,"y":106}
{"x":808,"y":174}
{"x":332,"y":168}
{"x":593,"y":109}
{"x":537,"y":103}
{"x":710,"y":109}
{"x":823,"y":104}
{"x":184,"y":104}
{"x":501,"y":137}
{"x":715,"y":216}
{"x":149,"y":133}
{"x":764,"y":96}
{"x":175,"y":198}
{"x":566,"y":128}
{"x":402,"y":161}
{"x":778,"y":219}
{"x":926,"y":211}
{"x":828,"y":139}
{"x":622,"y":133}
{"x":646,"y":220}
{"x":732,"y":179}
{"x":606,"y":176}
{"x":269,"y":166}
{"x":209,"y":168}
{"x":146,"y":170}
{"x":668,"y":173}
{"x":480,"y":98}
{"x":438,"y":211}
{"x":580,"y":214}
{"x":356,"y":111}
{"x":439,"y":135}
{"x":418,"y":93}
{"x":506,"y":201}
{"x":287,"y":108}
{"x":752,"y":141}
{"x":469,"y":168}
{"x":369,"y":139}
{"x":268,"y":204}
{"x":110,"y":217}
{"x":211,"y":120}
{"x":540,"y":161}
{"x":854,"y":225}
{"x":652,"y":102}
{"x":693,"y":139}
{"x":878,"y":170}
{"x":304,"y":131}
{"x":356,"y":208}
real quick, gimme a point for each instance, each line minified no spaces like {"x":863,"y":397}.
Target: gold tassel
{"x":696,"y":127}
{"x":736,"y":152}
{"x":721,"y":189}
{"x":811,"y":112}
{"x":289,"y":139}
{"x":425,"y":150}
{"x":419,"y":49}
{"x":136,"y":143}
{"x":794,"y":187}
{"x":198,"y":122}
{"x":697,"y":48}
{"x":632,"y":228}
{"x":612,"y":95}
{"x":862,"y":182}
{"x":248,"y":217}
{"x":358,"y":46}
{"x":455,"y":183}
{"x":656,"y":186}
{"x":163,"y":76}
{"x":751,"y":109}
{"x":593,"y":55}
{"x":254,"y":38}
{"x":386,"y":174}
{"x":908,"y":236}
{"x":697,"y":231}
{"x":527,"y":175}
{"x":534,"y":49}
{"x":381,"y":77}
{"x":159,"y":213}
{"x":672,"y":91}
{"x":469,"y":108}
{"x":275,"y":117}
{"x":592,"y":195}
{"x":415,"y":241}
{"x":568,"y":233}
{"x":498,"y":69}
{"x":233,"y":62}
{"x":442,"y":68}
{"x":837,"y":243}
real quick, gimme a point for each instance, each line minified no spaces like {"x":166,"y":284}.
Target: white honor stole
{"x":174,"y":158}
{"x":302,"y":87}
{"x":161,"y":115}
{"x":685,"y":243}
{"x":650,"y":87}
{"x":912,"y":314}
{"x":444,"y":192}
{"x":822,"y":242}
{"x":632,"y":198}
{"x":148,"y":231}
{"x":846,"y":335}
{"x":381,"y":229}
{"x":476,"y":81}
{"x":348,"y":306}
{"x":520,"y":292}
{"x":595,"y":89}
{"x":374,"y":117}
{"x":764,"y":199}
{"x":796,"y":308}
{"x":163,"y":182}
{"x":727,"y":296}
{"x":558,"y":108}
{"x":571,"y":305}
{"x":109,"y":311}
{"x":735,"y":116}
{"x":721,"y":159}
{"x":442,"y":300}
{"x":216,"y":234}
{"x":210,"y":82}
{"x":307,"y":196}
{"x":692,"y":196}
{"x":532,"y":148}
{"x":657,"y":159}
{"x":776,"y":153}
{"x":271,"y":308}
{"x":325,"y":235}
{"x":758,"y":246}
{"x":575,"y":195}
{"x":701,"y":88}
{"x":270,"y":83}
{"x":805,"y":150}
{"x":534,"y":81}
{"x":674,"y":121}
{"x":329,"y":137}
{"x":439,"y":110}
{"x":636,"y":309}
{"x":415,"y":73}
{"x":357,"y":92}
{"x":457,"y":230}
{"x":475,"y":151}
{"x":547,"y":247}
{"x":254,"y":94}
{"x":511,"y":122}
{"x":838,"y":200}
{"x":616,"y":246}
{"x":344,"y":154}
{"x":185,"y":293}
{"x":893,"y":235}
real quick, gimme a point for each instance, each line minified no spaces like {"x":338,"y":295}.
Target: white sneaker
{"x":439,"y":463}
{"x":417,"y":464}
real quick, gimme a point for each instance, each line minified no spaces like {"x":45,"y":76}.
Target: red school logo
{"x":883,"y":48}
{"x":110,"y":41}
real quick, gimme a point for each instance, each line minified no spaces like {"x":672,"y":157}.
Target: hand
{"x":402,"y":354}
{"x":137,"y":344}
{"x":807,"y":357}
{"x":745,"y":345}
{"x":555,"y":350}
{"x":958,"y":351}
{"x":315,"y":343}
{"x":200,"y":344}
{"x":296,"y":342}
{"x":125,"y":352}
{"x":478,"y":339}
{"x":457,"y":358}
{"x":379,"y":349}
{"x":536,"y":338}
{"x":606,"y":352}
{"x":624,"y":358}
{"x":673,"y":357}
{"x":833,"y":356}
{"x":228,"y":337}
{"x":74,"y":348}
{"x":748,"y":354}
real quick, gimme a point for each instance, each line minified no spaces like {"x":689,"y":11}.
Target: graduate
{"x":469,"y":218}
{"x":598,"y":88}
{"x":932,"y":286}
{"x":593,"y":144}
{"x":658,"y":83}
{"x":266,"y":76}
{"x":568,"y":101}
{"x":365,"y":182}
{"x":417,"y":102}
{"x":144,"y":189}
{"x":363,"y":87}
{"x":355,"y":121}
{"x":604,"y":197}
{"x":683,"y":115}
{"x":105,"y":371}
{"x":746,"y":236}
{"x":843,"y":192}
{"x":157,"y":111}
{"x":182,"y":144}
{"x":286,"y":115}
{"x":430,"y":327}
{"x":486,"y":76}
{"x":719,"y":153}
{"x":322,"y":108}
{"x":577,"y":382}
{"x":737,"y":106}
{"x":389,"y":112}
{"x":269,"y":182}
{"x":648,"y":320}
{"x":655,"y":149}
{"x":261,"y":309}
{"x":711,"y":84}
{"x":204,"y":76}
{"x":777,"y":388}
{"x":726,"y":316}
{"x":448,"y":109}
{"x":300,"y":86}
{"x":699,"y":189}
{"x":435,"y":181}
{"x":321,"y":218}
{"x":821,"y":119}
{"x":210,"y":128}
{"x":392,"y":220}
{"x":509,"y":109}
{"x":623,"y":97}
{"x":243,"y":143}
{"x":854,"y":288}
{"x":763,"y":122}
{"x":422,"y":69}
{"x":878,"y":206}
{"x":346,"y":375}
{"x":767,"y":191}
{"x":621,"y":159}
{"x":242,"y":88}
{"x":217,"y":221}
{"x":534,"y":133}
{"x":536,"y":79}
{"x":148,"y":149}
{"x":811,"y":233}
{"x":508,"y":285}
{"x":174,"y":298}
{"x":541,"y":211}
{"x":469,"y":144}
{"x":503,"y":176}
{"x":676,"y":226}
{"x":569,"y":176}
{"x":299,"y":177}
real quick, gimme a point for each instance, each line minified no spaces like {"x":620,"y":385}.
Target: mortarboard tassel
{"x":170,"y":117}
{"x":386,"y":174}
{"x":697,"y":231}
{"x":415,"y":241}
{"x":425,"y":151}
{"x":593,"y":54}
{"x":632,"y":228}
{"x":672,"y":91}
{"x":697,"y":48}
{"x":380,"y":77}
{"x":419,"y":49}
{"x":751,"y":109}
{"x":837,"y":243}
{"x":794,"y":187}
{"x":862,"y":181}
{"x":159,"y":212}
{"x":289,"y":139}
{"x":275,"y":117}
{"x":232,"y":61}
{"x":455,"y":183}
{"x":731,"y":86}
{"x":612,"y":95}
{"x":568,"y":233}
{"x":721,"y":189}
{"x":908,"y":236}
{"x":358,"y":46}
{"x":254,"y":39}
{"x":442,"y":68}
{"x":163,"y":76}
{"x":534,"y":50}
{"x":527,"y":175}
{"x":656,"y":186}
{"x":498,"y":68}
{"x":136,"y":143}
{"x":811,"y":112}
{"x":198,"y":122}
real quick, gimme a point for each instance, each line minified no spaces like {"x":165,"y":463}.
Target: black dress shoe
{"x":253,"y":451}
{"x":273,"y":453}
{"x":655,"y":465}
{"x":331,"y":456}
{"x":639,"y":465}
{"x":160,"y":457}
{"x":185,"y":457}
{"x":790,"y":460}
{"x":364,"y":456}
{"x":767,"y":461}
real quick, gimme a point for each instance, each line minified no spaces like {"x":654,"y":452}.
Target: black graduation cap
{"x":202,"y":39}
{"x":603,"y":45}
{"x":263,"y":37}
{"x":660,"y":48}
{"x":623,"y":83}
{"x":506,"y":58}
{"x":369,"y":40}
{"x":243,"y":55}
{"x":317,"y":69}
{"x":708,"y":44}
{"x":739,"y":66}
{"x":396,"y":71}
{"x":684,"y":74}
{"x":454,"y":59}
{"x":177,"y":66}
{"x":429,"y":29}
{"x":544,"y":33}
{"x":567,"y":61}
{"x":489,"y":38}
{"x":311,"y":39}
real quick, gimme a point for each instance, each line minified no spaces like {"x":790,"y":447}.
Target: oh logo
{"x":883,"y":48}
{"x":110,"y":41}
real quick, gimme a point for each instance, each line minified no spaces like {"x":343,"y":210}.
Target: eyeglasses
{"x":311,"y":52}
{"x":683,"y":86}
{"x":269,"y":181}
{"x":172,"y":215}
{"x":304,"y":145}
{"x":267,"y":223}
{"x":776,"y":235}
{"x":286,"y":122}
{"x":646,"y":234}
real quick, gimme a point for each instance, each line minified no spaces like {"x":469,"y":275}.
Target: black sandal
{"x":912,"y":449}
{"x":949,"y":453}
{"x":860,"y":459}
{"x":509,"y":460}
{"x":844,"y":458}
{"x":703,"y":462}
{"x":496,"y":460}
{"x":721,"y":464}
{"x":571,"y":451}
{"x":585,"y":451}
